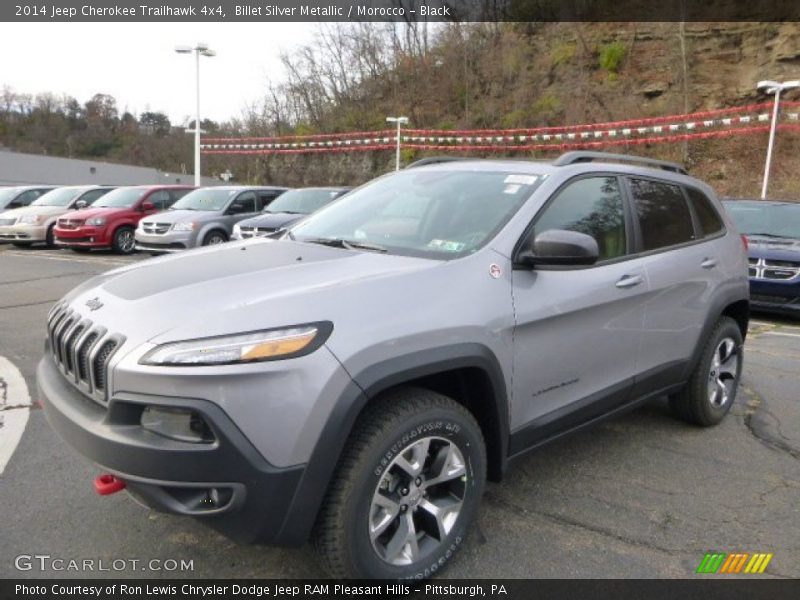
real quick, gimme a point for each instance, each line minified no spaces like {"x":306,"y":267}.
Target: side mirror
{"x":81,"y":204}
{"x":560,"y":247}
{"x":147,"y":205}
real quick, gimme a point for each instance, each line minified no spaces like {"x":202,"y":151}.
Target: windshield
{"x":120,"y":198}
{"x":57,"y":197}
{"x":780,"y":220}
{"x":205,"y":199}
{"x":7,"y":195}
{"x":432,"y":214}
{"x":302,"y":201}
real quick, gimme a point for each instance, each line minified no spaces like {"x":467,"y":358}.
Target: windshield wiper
{"x":346,"y":244}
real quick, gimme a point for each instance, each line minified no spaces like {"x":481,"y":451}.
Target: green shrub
{"x":611,"y":56}
{"x":563,"y":53}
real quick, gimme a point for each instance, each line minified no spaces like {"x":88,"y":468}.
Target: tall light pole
{"x":773,"y":87}
{"x":399,"y":121}
{"x":199,"y":50}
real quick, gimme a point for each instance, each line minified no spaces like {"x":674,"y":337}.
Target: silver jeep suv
{"x":359,"y":379}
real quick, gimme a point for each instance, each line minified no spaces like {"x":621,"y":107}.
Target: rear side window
{"x":664,"y":217}
{"x":266,"y":198}
{"x":710,"y":221}
{"x":592,"y":206}
{"x":161,"y":199}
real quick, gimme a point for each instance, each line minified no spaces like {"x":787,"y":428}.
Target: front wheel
{"x":124,"y":241}
{"x":214,"y":237}
{"x":406,"y":489}
{"x":711,"y":390}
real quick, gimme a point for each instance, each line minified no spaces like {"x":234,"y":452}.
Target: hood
{"x":773,"y":248}
{"x":177,"y":216}
{"x":245,"y":286}
{"x":273,"y":220}
{"x":48,"y":211}
{"x":89,"y":212}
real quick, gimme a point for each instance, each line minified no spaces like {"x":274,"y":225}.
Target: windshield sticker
{"x":446,"y":245}
{"x":511,"y":189}
{"x":521,"y":180}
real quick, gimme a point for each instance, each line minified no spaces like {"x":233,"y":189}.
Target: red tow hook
{"x":106,"y":484}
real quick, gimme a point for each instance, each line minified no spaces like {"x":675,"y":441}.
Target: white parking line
{"x":782,"y":334}
{"x":110,"y":261}
{"x":14,"y":408}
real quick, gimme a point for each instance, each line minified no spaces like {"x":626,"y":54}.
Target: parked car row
{"x":155,"y":219}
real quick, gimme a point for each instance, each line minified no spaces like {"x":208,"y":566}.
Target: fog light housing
{"x":177,"y":424}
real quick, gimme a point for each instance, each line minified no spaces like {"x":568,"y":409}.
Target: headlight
{"x":273,"y":344}
{"x":188,"y":226}
{"x":237,"y":231}
{"x":32,"y":219}
{"x":96,"y":221}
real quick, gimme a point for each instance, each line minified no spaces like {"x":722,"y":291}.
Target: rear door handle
{"x":628,"y":281}
{"x":709,"y":263}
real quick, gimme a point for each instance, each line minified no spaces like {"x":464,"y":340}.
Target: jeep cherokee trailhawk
{"x":359,"y":379}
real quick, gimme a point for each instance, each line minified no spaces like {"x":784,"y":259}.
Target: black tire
{"x":123,"y":242}
{"x":697,"y":403}
{"x":392,"y":427}
{"x":215,"y":236}
{"x":50,"y":237}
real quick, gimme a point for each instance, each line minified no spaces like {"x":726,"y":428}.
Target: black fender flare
{"x":365,"y":386}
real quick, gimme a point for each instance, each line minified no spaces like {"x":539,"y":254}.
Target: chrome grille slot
{"x":776,"y":270}
{"x":82,"y":356}
{"x":158,"y":228}
{"x":100,"y":363}
{"x":69,"y":346}
{"x":58,"y":340}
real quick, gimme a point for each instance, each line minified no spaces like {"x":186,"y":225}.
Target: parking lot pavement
{"x":640,"y":496}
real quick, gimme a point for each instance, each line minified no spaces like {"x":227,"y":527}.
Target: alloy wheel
{"x":723,"y":373}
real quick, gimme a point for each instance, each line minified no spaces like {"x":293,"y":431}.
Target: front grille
{"x":775,"y":270}
{"x":157,"y":228}
{"x":248,"y":232}
{"x":82,"y":350}
{"x":70,"y":223}
{"x":8,"y":221}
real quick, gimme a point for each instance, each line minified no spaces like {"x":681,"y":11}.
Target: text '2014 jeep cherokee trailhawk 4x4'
{"x":360,"y":378}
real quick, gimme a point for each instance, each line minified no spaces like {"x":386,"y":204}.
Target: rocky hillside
{"x":528,"y":75}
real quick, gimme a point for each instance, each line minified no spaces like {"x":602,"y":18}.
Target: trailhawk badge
{"x":495,"y":271}
{"x":94,"y":304}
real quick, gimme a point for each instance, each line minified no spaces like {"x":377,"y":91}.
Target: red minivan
{"x":111,"y":220}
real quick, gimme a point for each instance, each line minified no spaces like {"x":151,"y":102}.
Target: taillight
{"x":745,"y":243}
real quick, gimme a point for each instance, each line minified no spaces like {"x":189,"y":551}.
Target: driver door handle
{"x":709,"y":263}
{"x":629,"y":281}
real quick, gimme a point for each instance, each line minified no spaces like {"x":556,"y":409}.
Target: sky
{"x":137,"y":63}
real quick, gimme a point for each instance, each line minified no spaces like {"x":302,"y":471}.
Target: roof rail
{"x":433,"y":160}
{"x":579,"y":156}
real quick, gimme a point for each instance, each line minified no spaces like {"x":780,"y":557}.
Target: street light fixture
{"x":399,"y":121}
{"x":773,"y":87}
{"x":199,"y":50}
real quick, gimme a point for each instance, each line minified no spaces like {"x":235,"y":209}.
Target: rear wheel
{"x":123,"y":242}
{"x":214,"y":237}
{"x":406,"y":489}
{"x":711,"y":390}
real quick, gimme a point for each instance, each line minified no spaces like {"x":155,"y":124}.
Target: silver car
{"x":203,"y":217}
{"x":360,"y":378}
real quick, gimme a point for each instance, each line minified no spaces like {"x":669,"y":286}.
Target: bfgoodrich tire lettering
{"x":711,"y":390}
{"x":396,"y":429}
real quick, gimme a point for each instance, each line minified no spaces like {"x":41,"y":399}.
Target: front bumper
{"x":22,"y":232}
{"x":173,"y":476}
{"x":775,"y":297}
{"x":172,"y":241}
{"x":86,"y":237}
